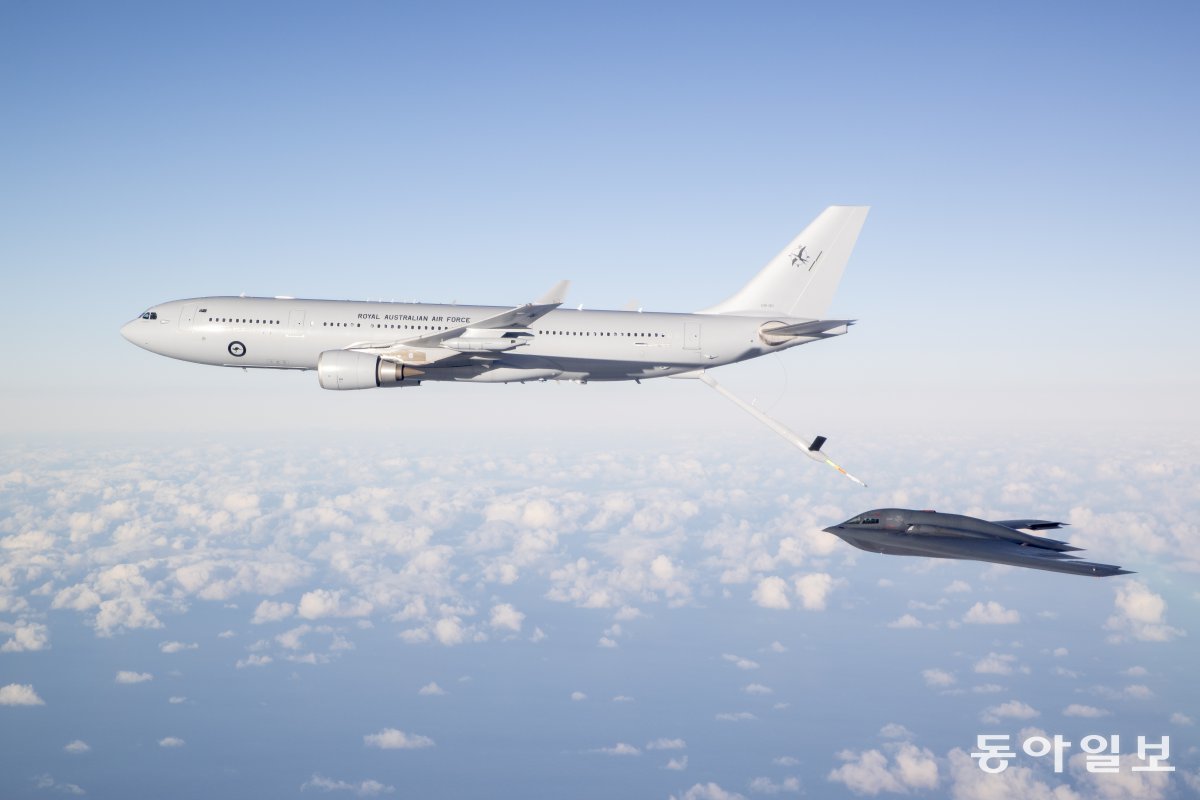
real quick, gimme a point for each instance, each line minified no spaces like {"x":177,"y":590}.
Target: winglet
{"x":555,"y":296}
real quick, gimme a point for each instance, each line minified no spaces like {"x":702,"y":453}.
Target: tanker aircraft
{"x":369,"y":345}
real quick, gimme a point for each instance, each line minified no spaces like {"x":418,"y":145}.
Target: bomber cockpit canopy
{"x":864,"y":519}
{"x":150,"y":315}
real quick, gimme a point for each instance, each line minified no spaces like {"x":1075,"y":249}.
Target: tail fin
{"x":801,"y":280}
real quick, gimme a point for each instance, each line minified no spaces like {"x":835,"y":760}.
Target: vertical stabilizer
{"x":801,"y":280}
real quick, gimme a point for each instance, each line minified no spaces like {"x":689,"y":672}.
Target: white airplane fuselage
{"x":364,"y":345}
{"x":285,"y":333}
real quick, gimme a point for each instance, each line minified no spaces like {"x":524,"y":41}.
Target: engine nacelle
{"x":348,"y":369}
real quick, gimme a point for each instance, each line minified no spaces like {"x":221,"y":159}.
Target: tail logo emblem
{"x":800,"y":257}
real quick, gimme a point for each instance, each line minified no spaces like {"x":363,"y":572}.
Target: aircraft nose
{"x":137,"y":331}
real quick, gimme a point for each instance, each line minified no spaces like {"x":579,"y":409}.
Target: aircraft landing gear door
{"x":186,"y":317}
{"x":691,"y":336}
{"x":296,"y":322}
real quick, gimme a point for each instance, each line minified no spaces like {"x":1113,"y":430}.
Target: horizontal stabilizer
{"x":817,"y":327}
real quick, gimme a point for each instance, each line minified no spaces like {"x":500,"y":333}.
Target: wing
{"x":1018,"y":555}
{"x":496,"y":333}
{"x":997,"y":551}
{"x":519,"y":317}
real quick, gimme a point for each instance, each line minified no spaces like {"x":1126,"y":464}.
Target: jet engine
{"x":349,"y":369}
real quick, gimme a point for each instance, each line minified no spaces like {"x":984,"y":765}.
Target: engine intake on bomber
{"x":348,"y":369}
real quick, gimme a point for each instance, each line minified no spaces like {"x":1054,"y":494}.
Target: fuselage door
{"x":187,"y":316}
{"x":691,"y":336}
{"x":296,"y":322}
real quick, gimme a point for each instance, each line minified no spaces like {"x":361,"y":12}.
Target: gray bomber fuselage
{"x":906,"y":532}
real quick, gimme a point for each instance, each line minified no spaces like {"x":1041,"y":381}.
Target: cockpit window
{"x":864,"y":520}
{"x":150,"y":315}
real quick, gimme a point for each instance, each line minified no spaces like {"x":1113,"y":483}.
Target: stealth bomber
{"x":904,"y":532}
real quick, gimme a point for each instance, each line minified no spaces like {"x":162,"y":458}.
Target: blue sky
{"x":1024,"y":287}
{"x":1030,"y":169}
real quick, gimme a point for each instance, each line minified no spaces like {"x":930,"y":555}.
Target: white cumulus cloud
{"x":1125,"y":784}
{"x":47,"y":782}
{"x":813,"y":590}
{"x":991,"y":613}
{"x":1141,"y":615}
{"x":271,"y":611}
{"x":253,"y":660}
{"x":128,"y":676}
{"x":507,"y":618}
{"x":969,"y":782}
{"x":1088,"y":712}
{"x":764,"y":785}
{"x":1013,"y":709}
{"x":618,"y":749}
{"x":708,"y":791}
{"x":321,"y":603}
{"x":449,"y":631}
{"x":894,"y":730}
{"x":772,"y":592}
{"x":996,"y":664}
{"x":26,"y":637}
{"x":394,"y":739}
{"x":938,"y":677}
{"x":667,"y":744}
{"x":741,"y":663}
{"x":19,"y":694}
{"x":364,"y":788}
{"x":872,"y":771}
